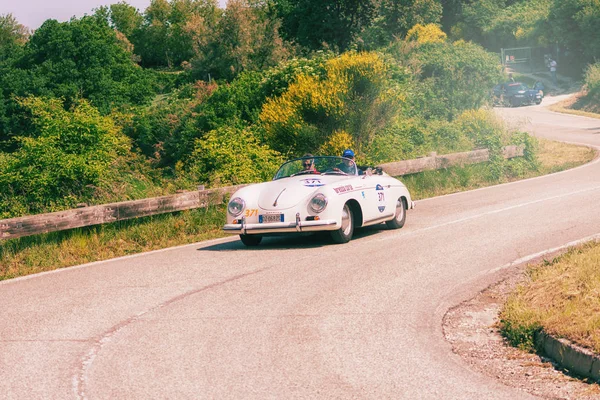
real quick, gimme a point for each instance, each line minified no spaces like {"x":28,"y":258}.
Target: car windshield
{"x":320,"y":165}
{"x":515,"y":87}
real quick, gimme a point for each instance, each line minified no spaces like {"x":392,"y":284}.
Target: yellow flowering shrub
{"x":430,"y":33}
{"x":347,"y":106}
{"x":337,"y":143}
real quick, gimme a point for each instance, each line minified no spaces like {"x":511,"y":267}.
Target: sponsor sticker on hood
{"x":312,"y":182}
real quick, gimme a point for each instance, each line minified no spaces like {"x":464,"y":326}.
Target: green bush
{"x":592,"y":80}
{"x":450,"y":77}
{"x":485,"y":130}
{"x":355,"y":96}
{"x":68,"y":157}
{"x":449,"y":137}
{"x":167,"y":130}
{"x":400,"y":141}
{"x":231,"y":156}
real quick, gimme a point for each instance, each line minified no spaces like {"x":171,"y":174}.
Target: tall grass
{"x":561,"y":296}
{"x":33,"y":254}
{"x":551,"y":157}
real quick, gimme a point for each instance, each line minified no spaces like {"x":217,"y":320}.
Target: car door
{"x":376,"y":197}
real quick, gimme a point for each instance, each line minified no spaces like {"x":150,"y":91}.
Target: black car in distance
{"x":514,"y":94}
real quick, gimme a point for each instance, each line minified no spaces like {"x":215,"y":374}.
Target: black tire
{"x":538,"y":102}
{"x":251,"y":240}
{"x":344,"y":234}
{"x":399,"y":217}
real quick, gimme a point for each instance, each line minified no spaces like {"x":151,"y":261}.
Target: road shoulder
{"x":472,"y":330}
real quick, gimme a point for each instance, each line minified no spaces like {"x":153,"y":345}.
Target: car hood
{"x":289,"y":192}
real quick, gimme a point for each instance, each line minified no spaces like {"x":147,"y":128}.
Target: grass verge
{"x":561,"y":296}
{"x":29,"y":255}
{"x":33,"y":254}
{"x":552,"y":157}
{"x":577,"y":105}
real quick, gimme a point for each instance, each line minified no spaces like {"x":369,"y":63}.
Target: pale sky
{"x":32,"y":13}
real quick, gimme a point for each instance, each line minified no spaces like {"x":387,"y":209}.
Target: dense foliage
{"x":451,"y":77}
{"x":577,"y":24}
{"x":82,"y":58}
{"x":68,"y":154}
{"x":316,"y":23}
{"x":353,"y":96}
{"x":127,"y":102}
{"x":592,"y":81}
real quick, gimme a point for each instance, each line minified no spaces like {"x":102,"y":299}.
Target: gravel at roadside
{"x":472,"y":330}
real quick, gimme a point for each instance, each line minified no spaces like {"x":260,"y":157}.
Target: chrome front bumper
{"x":281,"y":227}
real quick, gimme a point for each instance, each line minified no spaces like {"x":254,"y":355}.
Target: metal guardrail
{"x":88,"y":216}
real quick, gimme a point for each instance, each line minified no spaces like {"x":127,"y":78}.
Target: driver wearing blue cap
{"x":346,"y":166}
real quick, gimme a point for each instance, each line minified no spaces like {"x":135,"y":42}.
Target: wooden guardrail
{"x":106,"y":213}
{"x":95,"y":215}
{"x":433,"y":161}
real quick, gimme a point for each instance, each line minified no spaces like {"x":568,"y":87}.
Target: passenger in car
{"x":308,"y":164}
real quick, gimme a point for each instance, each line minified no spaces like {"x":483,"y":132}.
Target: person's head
{"x":308,"y":161}
{"x":348,"y":153}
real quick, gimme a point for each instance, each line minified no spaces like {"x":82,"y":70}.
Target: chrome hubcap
{"x":346,"y":223}
{"x":399,"y":210}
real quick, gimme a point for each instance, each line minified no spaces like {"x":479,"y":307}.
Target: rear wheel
{"x":251,"y":240}
{"x":399,"y":217}
{"x":344,"y":234}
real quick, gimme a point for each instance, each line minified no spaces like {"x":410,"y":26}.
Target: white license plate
{"x":269,"y":218}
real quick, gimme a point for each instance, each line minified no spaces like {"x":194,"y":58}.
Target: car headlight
{"x":236,"y":206}
{"x":318,"y":202}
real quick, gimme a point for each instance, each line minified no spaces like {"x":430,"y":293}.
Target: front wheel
{"x":251,"y":240}
{"x":344,"y":234}
{"x":399,"y":217}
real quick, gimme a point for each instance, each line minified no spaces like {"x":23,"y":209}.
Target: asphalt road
{"x":295,"y":318}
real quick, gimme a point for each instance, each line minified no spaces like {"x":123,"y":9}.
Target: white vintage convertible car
{"x":317,"y":194}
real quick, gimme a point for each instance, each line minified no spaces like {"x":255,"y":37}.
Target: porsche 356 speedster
{"x":318,"y":194}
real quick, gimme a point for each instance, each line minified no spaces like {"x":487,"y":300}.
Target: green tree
{"x":81,"y":58}
{"x":12,"y":36}
{"x":246,"y":39}
{"x":316,"y":23}
{"x":125,"y":18}
{"x":401,"y":15}
{"x":174,"y":32}
{"x":477,"y":17}
{"x":575,"y":24}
